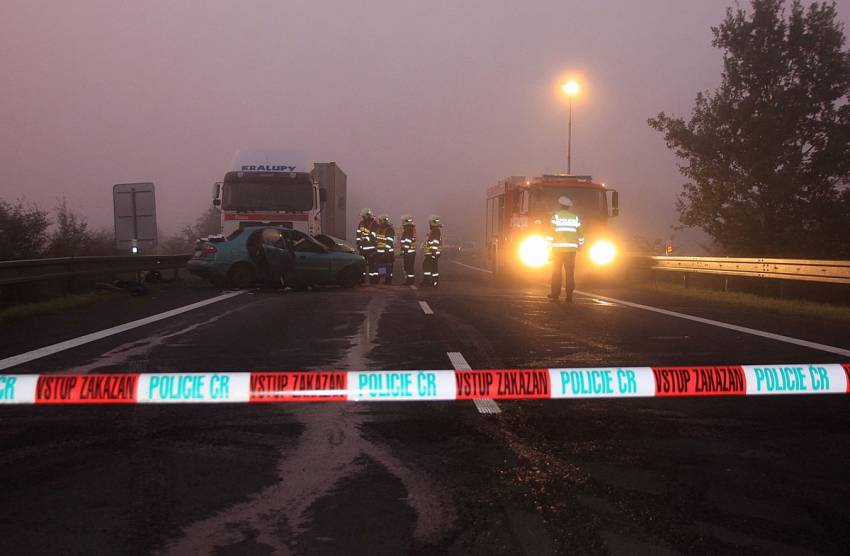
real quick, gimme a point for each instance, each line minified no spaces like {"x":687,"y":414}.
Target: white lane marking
{"x":473,"y":267}
{"x":458,"y":361}
{"x":426,"y":308}
{"x":412,"y":287}
{"x":95,"y":336}
{"x":485,"y":405}
{"x":735,"y":327}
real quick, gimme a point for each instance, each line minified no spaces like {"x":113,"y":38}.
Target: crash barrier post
{"x":426,"y":385}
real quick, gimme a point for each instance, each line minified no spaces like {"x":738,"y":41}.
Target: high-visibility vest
{"x":365,"y":235}
{"x":434,"y":242}
{"x":567,"y":234}
{"x":389,"y":237}
{"x":408,"y":239}
{"x":385,"y":235}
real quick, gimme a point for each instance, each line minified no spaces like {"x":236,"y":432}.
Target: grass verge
{"x":798,"y":307}
{"x":55,"y":305}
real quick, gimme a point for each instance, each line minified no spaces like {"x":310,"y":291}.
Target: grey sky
{"x":423,"y":104}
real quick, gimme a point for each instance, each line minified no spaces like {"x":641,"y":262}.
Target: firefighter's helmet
{"x":384,"y":218}
{"x":565,"y":202}
{"x":366,"y":213}
{"x":406,"y":220}
{"x":435,"y":221}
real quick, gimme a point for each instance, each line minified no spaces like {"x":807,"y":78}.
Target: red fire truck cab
{"x":519,"y":210}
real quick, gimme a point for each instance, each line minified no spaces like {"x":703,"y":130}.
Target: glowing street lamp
{"x":571,"y":89}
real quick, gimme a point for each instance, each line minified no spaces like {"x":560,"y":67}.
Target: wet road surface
{"x":608,"y":476}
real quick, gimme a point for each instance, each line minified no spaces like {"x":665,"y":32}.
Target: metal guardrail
{"x":836,"y":272}
{"x":33,"y":270}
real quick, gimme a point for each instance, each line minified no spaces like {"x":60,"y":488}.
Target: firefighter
{"x":408,"y":248}
{"x":386,"y":247}
{"x":432,"y":247}
{"x":567,"y":238}
{"x":366,"y":238}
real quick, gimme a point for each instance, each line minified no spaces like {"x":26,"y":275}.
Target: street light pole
{"x":571,"y":89}
{"x":570,"y":137}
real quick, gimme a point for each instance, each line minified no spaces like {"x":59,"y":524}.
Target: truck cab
{"x":519,"y":210}
{"x":260,"y":197}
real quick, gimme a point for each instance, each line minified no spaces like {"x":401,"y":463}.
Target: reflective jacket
{"x":567,"y":234}
{"x":408,"y":239}
{"x":365,"y":236}
{"x":385,"y":235}
{"x":434,"y":242}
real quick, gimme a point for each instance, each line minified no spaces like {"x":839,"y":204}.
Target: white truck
{"x":281,"y":188}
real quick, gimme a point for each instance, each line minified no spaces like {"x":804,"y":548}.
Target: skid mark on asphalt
{"x":330,"y":449}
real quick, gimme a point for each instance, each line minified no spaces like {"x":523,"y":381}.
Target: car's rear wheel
{"x":350,"y":277}
{"x":240,"y":276}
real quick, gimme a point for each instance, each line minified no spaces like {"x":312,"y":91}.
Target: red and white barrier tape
{"x":368,"y":386}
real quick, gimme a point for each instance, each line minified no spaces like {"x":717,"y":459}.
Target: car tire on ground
{"x":240,"y":276}
{"x":350,"y":277}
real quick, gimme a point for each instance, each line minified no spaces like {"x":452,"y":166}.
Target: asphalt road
{"x":713,"y":475}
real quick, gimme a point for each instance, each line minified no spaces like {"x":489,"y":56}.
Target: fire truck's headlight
{"x":602,"y":252}
{"x":534,"y":251}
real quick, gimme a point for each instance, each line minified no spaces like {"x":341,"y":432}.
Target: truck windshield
{"x":587,"y":203}
{"x":270,"y":192}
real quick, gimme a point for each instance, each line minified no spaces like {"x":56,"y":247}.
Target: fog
{"x":423,"y":104}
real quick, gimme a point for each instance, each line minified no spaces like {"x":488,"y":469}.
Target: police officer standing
{"x":433,"y":246}
{"x":386,"y":247}
{"x":567,"y":238}
{"x":408,"y":248}
{"x":366,"y":238}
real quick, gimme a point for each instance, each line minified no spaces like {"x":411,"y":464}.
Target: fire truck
{"x":519,"y":210}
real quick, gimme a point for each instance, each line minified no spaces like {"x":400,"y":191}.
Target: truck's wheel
{"x":350,"y":277}
{"x":240,"y":276}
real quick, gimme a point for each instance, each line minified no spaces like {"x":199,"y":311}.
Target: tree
{"x":72,"y":237}
{"x":23,"y":231}
{"x":71,"y":233}
{"x":767,"y":155}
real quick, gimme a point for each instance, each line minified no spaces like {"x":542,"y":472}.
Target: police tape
{"x":416,"y":385}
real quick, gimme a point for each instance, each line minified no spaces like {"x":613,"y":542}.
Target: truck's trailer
{"x":333,"y":180}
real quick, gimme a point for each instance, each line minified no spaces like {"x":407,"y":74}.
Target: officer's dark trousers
{"x":563,"y":261}
{"x":389,"y":262}
{"x":430,"y":271}
{"x":374,"y":260}
{"x":409,"y":267}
